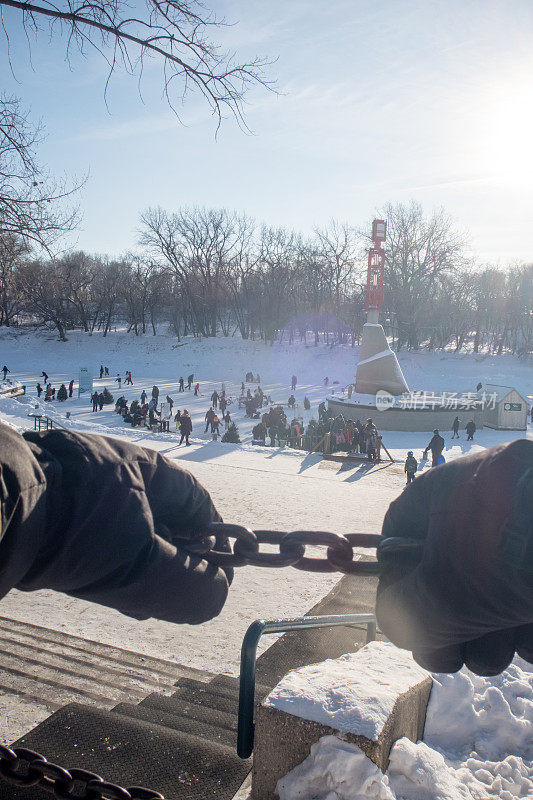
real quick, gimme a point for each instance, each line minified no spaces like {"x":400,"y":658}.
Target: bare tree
{"x":13,"y":252}
{"x":420,"y":252}
{"x":174,"y":33}
{"x":337,"y":244}
{"x":44,"y":297}
{"x":198,"y":246}
{"x":31,"y":203}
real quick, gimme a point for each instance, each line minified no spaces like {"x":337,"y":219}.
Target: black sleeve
{"x":99,"y":519}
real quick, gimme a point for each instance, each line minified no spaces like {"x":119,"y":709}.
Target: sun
{"x":506,"y":136}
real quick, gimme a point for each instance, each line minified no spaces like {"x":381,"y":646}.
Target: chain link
{"x":26,"y":768}
{"x":292,"y":546}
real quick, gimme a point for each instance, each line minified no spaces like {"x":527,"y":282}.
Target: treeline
{"x":216,"y":273}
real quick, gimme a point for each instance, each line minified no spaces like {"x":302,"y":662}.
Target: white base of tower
{"x":378,"y":367}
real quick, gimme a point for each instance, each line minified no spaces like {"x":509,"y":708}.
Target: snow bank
{"x":330,"y":693}
{"x":478,"y":745}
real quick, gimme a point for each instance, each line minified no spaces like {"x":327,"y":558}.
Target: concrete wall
{"x":400,"y":419}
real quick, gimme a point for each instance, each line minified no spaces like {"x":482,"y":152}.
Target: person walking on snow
{"x":39,"y":390}
{"x":118,"y":380}
{"x":455,"y":427}
{"x":189,"y":381}
{"x":215,"y":425}
{"x":181,"y":385}
{"x":94,"y":398}
{"x":5,"y":370}
{"x":101,"y":371}
{"x":101,"y":401}
{"x":170,"y":402}
{"x":186,"y":427}
{"x":106,"y":370}
{"x":410,"y":466}
{"x":293,"y":383}
{"x":196,"y":389}
{"x":209,"y":417}
{"x":470,"y":429}
{"x":71,"y":388}
{"x":45,"y":376}
{"x":128,"y":380}
{"x":214,"y":398}
{"x":155,"y":393}
{"x":177,"y":419}
{"x":436,"y":446}
{"x":143,"y":397}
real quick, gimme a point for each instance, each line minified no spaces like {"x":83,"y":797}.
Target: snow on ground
{"x":477,"y":742}
{"x":258,"y":487}
{"x":282,"y":489}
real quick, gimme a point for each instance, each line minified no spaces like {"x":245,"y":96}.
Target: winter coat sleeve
{"x":103,"y":520}
{"x":468,"y":598}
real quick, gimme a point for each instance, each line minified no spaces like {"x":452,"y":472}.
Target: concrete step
{"x":179,"y":722}
{"x":225,"y":685}
{"x":208,"y":698}
{"x":45,"y":669}
{"x":177,"y":705}
{"x":134,"y":752}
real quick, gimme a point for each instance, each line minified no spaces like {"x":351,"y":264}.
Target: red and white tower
{"x":376,"y":271}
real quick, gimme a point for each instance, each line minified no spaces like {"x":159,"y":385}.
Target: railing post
{"x":245,"y":728}
{"x":371,"y":631}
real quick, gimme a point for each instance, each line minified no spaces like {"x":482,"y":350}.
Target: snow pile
{"x":478,"y":745}
{"x":352,"y":693}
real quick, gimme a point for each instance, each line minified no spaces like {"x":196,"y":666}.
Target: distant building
{"x":504,"y":408}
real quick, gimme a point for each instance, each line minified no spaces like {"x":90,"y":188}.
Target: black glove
{"x":97,"y":518}
{"x":461,"y":592}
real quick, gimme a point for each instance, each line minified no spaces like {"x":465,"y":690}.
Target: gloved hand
{"x":465,"y":595}
{"x":100,"y":519}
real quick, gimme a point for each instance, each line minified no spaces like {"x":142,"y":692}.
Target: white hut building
{"x":503,"y":408}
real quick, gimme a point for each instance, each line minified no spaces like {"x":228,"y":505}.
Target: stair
{"x":134,"y":752}
{"x":169,"y":728}
{"x":182,"y":745}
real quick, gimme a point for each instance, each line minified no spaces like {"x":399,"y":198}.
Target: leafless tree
{"x":173,"y":33}
{"x":198,"y":246}
{"x":338,"y":246}
{"x":13,"y":252}
{"x":44,"y":297}
{"x":31,"y":203}
{"x":420,"y":252}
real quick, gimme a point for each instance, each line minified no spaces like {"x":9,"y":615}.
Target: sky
{"x":376,"y":102}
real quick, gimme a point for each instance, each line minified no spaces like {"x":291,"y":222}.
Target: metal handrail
{"x":246,"y":726}
{"x":49,"y":422}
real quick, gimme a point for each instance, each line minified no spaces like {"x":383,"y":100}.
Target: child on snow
{"x":410,"y":467}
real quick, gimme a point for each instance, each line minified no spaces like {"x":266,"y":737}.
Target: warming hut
{"x":503,"y":408}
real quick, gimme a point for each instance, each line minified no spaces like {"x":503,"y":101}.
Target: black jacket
{"x":185,"y":424}
{"x":436,"y":445}
{"x":103,"y":520}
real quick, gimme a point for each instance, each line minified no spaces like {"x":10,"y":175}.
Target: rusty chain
{"x":292,"y":547}
{"x":25,"y":768}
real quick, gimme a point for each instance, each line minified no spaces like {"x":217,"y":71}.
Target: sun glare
{"x":505,"y":149}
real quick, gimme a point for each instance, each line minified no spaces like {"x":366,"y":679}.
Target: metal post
{"x":371,"y":631}
{"x":245,"y":727}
